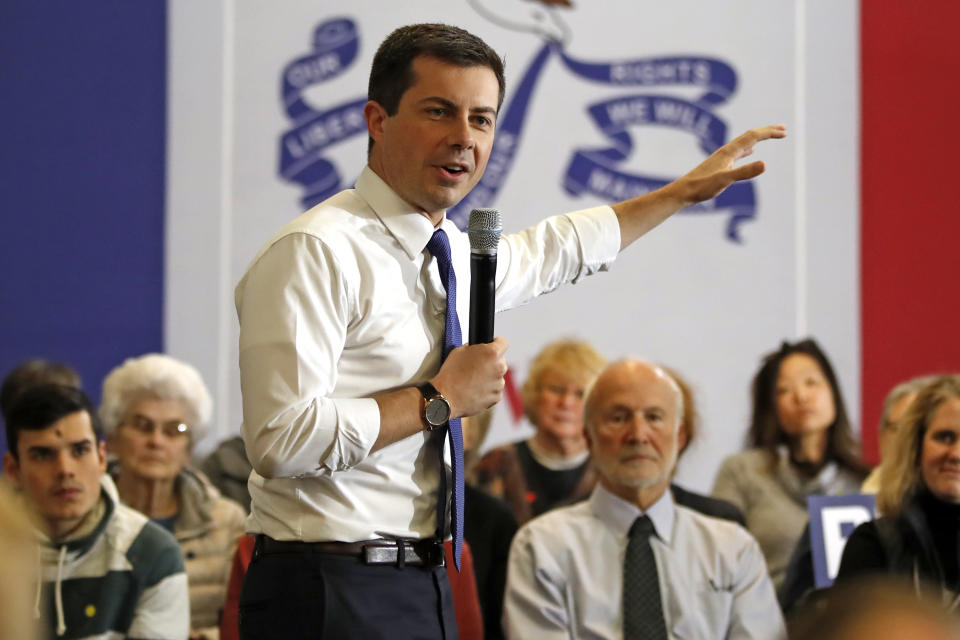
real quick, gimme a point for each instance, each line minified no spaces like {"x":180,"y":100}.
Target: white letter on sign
{"x":838,"y":524}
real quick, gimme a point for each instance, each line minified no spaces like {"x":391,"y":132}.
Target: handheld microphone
{"x":484,"y":230}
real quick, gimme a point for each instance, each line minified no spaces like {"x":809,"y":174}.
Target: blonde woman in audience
{"x":801,"y":444}
{"x":919,"y":535}
{"x":153,"y":409}
{"x":553,"y":467}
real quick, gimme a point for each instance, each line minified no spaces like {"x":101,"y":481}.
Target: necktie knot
{"x":439,"y":246}
{"x":642,"y":528}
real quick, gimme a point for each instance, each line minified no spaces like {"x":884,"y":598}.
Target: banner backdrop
{"x":604,"y":101}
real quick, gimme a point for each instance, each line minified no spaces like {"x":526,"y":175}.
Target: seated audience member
{"x":489,"y":527}
{"x":689,"y":431}
{"x":630,"y":562}
{"x":154,"y":407}
{"x":32,"y":373}
{"x":553,"y":467}
{"x":894,"y":408}
{"x":920,"y":498}
{"x":802,"y":445}
{"x":228,"y":468}
{"x":106,"y":570}
{"x":18,"y":568}
{"x":878,"y":608}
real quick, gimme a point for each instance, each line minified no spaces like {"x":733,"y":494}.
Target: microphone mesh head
{"x":484,"y":230}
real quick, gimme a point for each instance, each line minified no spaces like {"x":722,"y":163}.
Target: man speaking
{"x":352,"y":376}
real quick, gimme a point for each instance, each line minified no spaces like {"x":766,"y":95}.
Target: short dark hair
{"x":39,"y":407}
{"x":32,"y":373}
{"x":391,"y":73}
{"x":765,"y":430}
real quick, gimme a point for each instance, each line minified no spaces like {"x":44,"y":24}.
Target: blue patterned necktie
{"x":439,"y":248}
{"x":642,"y":610}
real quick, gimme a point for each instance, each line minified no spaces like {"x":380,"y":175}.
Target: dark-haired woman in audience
{"x":919,"y":535}
{"x":801,"y":445}
{"x":153,"y":409}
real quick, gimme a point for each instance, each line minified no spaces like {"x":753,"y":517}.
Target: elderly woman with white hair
{"x":153,"y":409}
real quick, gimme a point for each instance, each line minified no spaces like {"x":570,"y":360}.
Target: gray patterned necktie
{"x":642,"y":610}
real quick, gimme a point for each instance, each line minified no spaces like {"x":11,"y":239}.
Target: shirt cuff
{"x":599,"y":232}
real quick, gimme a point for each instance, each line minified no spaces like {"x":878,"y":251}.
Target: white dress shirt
{"x":344,"y":302}
{"x":565,"y":574}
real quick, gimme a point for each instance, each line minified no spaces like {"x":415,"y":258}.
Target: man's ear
{"x":375,"y":115}
{"x":11,"y":469}
{"x":102,"y":454}
{"x":681,"y":437}
{"x":586,"y":436}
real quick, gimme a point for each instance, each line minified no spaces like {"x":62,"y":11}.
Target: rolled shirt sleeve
{"x":560,"y":249}
{"x":293,"y":318}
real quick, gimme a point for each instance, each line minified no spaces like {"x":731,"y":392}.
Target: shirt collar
{"x":410,"y":228}
{"x":620,"y":514}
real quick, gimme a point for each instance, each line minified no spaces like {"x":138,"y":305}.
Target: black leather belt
{"x":416,"y":553}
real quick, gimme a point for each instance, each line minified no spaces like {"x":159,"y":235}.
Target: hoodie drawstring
{"x":58,"y":593}
{"x":36,"y":600}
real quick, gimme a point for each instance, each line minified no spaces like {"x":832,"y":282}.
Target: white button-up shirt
{"x":565,"y":574}
{"x":344,"y":302}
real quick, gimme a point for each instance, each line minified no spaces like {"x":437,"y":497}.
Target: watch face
{"x":437,"y":412}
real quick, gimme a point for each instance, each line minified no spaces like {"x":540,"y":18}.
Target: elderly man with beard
{"x":630,"y":562}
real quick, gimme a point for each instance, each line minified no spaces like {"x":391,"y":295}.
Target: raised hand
{"x":639,"y":215}
{"x":718,"y":172}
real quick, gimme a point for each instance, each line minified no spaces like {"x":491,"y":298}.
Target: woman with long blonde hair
{"x":919,"y":535}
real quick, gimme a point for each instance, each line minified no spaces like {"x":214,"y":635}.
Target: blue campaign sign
{"x":832,"y":520}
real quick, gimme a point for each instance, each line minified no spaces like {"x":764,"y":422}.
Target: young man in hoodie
{"x":105,"y":569}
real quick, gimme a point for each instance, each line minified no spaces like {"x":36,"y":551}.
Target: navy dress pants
{"x":293,"y":596}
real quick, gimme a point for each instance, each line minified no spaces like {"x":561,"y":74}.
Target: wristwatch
{"x":436,"y":409}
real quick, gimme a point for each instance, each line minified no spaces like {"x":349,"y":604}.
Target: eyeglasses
{"x":145,"y":426}
{"x":562,"y":390}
